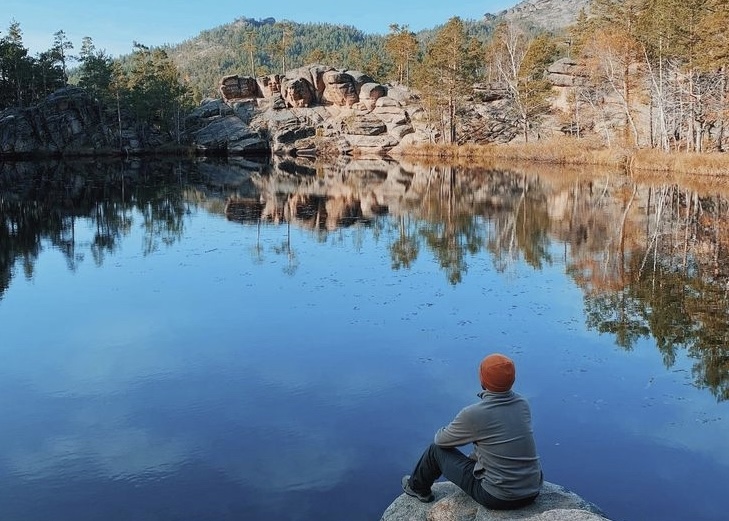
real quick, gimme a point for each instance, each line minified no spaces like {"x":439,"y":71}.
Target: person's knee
{"x":435,"y":450}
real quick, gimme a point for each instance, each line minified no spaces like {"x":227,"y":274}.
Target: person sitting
{"x":504,"y":471}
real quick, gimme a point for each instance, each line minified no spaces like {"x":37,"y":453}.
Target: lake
{"x":227,"y":340}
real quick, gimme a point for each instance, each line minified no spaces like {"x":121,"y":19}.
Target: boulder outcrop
{"x":236,"y":87}
{"x":310,"y":110}
{"x":70,"y":122}
{"x":567,"y":72}
{"x":555,"y":503}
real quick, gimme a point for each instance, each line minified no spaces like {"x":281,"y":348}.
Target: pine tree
{"x":447,"y":73}
{"x":402,"y":47}
{"x":61,"y":44}
{"x":95,"y":71}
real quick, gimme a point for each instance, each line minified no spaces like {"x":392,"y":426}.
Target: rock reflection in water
{"x":650,"y":257}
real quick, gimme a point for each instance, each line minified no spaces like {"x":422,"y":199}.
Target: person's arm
{"x":456,"y":433}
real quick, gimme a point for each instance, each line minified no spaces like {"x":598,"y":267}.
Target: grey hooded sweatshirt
{"x":500,"y":428}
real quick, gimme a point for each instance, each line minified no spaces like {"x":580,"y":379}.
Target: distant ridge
{"x":551,"y":15}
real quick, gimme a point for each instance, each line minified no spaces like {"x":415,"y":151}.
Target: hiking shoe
{"x":425,"y":498}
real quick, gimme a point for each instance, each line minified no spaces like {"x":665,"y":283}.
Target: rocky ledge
{"x":555,"y":503}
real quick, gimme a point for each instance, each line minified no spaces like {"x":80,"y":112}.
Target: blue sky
{"x":113,"y":26}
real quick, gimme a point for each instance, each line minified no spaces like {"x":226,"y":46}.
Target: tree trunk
{"x":722,"y":110}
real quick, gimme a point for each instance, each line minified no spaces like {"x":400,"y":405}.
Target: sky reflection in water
{"x":280,"y":373}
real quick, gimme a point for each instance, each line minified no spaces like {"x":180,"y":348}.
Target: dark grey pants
{"x":457,"y":468}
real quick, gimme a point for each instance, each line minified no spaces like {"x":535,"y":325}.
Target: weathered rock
{"x":488,"y":92}
{"x":392,"y":115}
{"x":370,"y":92}
{"x":402,"y":94}
{"x":370,"y":145}
{"x":364,"y":126}
{"x":68,"y":122}
{"x":236,"y":87}
{"x":298,"y":92}
{"x":211,"y":107}
{"x":245,"y":109}
{"x":387,"y":101}
{"x":567,"y":72}
{"x":339,"y":89}
{"x":554,"y":503}
{"x":547,"y":14}
{"x":269,"y":85}
{"x":317,"y":76}
{"x":400,"y":131}
{"x":360,"y":78}
{"x":229,"y":134}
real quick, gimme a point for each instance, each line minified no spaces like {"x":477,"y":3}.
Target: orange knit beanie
{"x":497,"y":373}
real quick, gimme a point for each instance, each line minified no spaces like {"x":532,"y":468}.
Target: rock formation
{"x":310,"y":110}
{"x":236,"y":87}
{"x":551,"y":15}
{"x":567,"y":72}
{"x":70,"y":122}
{"x":555,"y":503}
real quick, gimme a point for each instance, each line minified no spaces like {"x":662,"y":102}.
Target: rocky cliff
{"x":70,"y":122}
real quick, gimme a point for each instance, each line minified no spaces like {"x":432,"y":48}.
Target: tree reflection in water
{"x":650,"y":257}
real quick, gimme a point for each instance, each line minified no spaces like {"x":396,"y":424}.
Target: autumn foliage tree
{"x":519,"y":61}
{"x":663,"y":57}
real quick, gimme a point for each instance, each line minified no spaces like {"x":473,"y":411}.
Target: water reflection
{"x":650,"y":257}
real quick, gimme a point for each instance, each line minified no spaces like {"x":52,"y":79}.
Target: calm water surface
{"x":233,"y":341}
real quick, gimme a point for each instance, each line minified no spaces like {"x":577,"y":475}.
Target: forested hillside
{"x":261,"y":47}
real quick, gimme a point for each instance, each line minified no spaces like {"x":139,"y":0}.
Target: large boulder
{"x":317,"y":71}
{"x":269,"y":85}
{"x":229,"y":134}
{"x":567,"y":72}
{"x":236,"y":87}
{"x":370,"y":92}
{"x":298,"y":92}
{"x":340,"y":89}
{"x":555,"y":503}
{"x":359,"y":77}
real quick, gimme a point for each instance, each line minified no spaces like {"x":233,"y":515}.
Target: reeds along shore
{"x":572,"y":152}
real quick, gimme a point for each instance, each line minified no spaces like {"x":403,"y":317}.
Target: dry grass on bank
{"x":707,"y":164}
{"x":573,"y":152}
{"x":553,"y":151}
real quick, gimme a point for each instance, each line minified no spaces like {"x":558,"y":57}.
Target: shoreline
{"x":547,"y":152}
{"x":569,"y":152}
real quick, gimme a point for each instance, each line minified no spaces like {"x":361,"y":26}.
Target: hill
{"x":261,"y":47}
{"x":265,"y":46}
{"x":550,"y":15}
